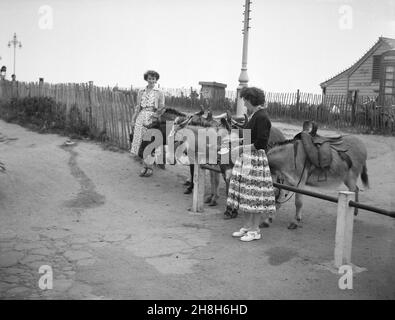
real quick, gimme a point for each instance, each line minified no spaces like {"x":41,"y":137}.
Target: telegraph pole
{"x":243,"y":78}
{"x":14,"y":42}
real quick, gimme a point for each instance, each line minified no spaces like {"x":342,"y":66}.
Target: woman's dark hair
{"x":254,"y":95}
{"x":151,"y":73}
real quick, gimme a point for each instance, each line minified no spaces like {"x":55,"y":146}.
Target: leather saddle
{"x":319,"y":148}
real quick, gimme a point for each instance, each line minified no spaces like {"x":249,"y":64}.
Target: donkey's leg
{"x":351,"y":184}
{"x":191,"y":172}
{"x":356,"y":200}
{"x":214,"y":188}
{"x":269,"y":219}
{"x":298,"y":215}
{"x":211,"y":195}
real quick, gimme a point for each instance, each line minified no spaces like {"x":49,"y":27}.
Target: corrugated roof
{"x":389,"y":41}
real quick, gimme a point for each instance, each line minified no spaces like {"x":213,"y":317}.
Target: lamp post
{"x":14,"y":42}
{"x":243,"y":78}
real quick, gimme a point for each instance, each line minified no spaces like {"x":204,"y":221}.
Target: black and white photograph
{"x":197,"y":150}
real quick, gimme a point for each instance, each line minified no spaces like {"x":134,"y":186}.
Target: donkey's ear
{"x":225,"y":123}
{"x":314,"y":128}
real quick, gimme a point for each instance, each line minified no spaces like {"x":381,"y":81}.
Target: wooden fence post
{"x":90,"y":104}
{"x":298,"y":104}
{"x":344,"y":229}
{"x":353,"y":108}
{"x":40,"y":86}
{"x":198,"y":186}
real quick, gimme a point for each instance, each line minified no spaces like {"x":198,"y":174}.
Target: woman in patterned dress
{"x":251,"y":187}
{"x":150,"y":100}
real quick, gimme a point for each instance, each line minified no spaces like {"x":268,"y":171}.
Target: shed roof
{"x":213,"y":84}
{"x":389,"y":41}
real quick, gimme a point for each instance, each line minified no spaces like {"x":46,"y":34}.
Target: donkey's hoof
{"x":292,"y":226}
{"x":208,"y":199}
{"x":213,"y":203}
{"x":230,"y":215}
{"x":264,"y":224}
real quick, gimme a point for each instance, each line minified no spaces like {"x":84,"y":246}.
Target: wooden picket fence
{"x":361,"y":114}
{"x":107,"y":112}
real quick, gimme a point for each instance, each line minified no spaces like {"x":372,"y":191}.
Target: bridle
{"x":300,"y":178}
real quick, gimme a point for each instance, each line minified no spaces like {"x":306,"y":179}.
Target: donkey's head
{"x":287,"y":158}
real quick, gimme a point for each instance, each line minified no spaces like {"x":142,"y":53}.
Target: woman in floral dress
{"x":150,"y":100}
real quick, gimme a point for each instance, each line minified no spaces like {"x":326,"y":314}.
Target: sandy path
{"x":109,"y":234}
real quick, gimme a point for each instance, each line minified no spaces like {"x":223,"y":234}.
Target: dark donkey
{"x":159,"y":122}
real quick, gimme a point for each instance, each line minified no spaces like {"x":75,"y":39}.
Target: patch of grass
{"x":45,"y":115}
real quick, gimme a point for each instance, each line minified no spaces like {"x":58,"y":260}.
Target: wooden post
{"x":344,"y":229}
{"x":40,"y":87}
{"x":198,"y":186}
{"x":298,"y":103}
{"x":353,"y":108}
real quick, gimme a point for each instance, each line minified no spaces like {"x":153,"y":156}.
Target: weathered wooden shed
{"x":372,"y":75}
{"x":214,"y":91}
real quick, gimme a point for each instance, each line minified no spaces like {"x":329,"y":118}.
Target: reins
{"x":301,"y":176}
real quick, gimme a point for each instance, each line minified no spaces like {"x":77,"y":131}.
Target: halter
{"x":304,"y":168}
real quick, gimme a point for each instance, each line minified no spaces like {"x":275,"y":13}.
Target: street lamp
{"x":14,"y":42}
{"x":243,"y":78}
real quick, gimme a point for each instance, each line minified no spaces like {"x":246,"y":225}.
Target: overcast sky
{"x":293,"y":44}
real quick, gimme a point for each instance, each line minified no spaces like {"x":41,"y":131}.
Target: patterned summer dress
{"x":251,"y":186}
{"x":147,"y":106}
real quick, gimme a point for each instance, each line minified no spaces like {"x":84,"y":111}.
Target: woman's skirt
{"x":251,"y":186}
{"x":139,"y":130}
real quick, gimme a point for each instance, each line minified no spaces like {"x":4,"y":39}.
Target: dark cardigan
{"x":260,"y":126}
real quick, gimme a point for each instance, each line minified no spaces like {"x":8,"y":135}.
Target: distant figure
{"x":150,"y":101}
{"x":13,"y":77}
{"x":3,"y":71}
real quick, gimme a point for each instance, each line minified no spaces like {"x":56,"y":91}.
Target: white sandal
{"x":251,"y":235}
{"x":240,"y":233}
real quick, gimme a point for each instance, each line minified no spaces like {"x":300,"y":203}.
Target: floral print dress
{"x":147,"y":106}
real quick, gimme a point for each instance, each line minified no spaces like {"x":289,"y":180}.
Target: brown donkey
{"x":290,"y":161}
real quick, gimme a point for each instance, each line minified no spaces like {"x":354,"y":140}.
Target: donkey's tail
{"x":364,"y":176}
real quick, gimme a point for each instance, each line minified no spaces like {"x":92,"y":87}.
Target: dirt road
{"x":109,"y":234}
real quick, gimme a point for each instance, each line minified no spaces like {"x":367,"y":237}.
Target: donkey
{"x":159,"y":122}
{"x":289,"y":160}
{"x":194,"y":123}
{"x":223,"y":121}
